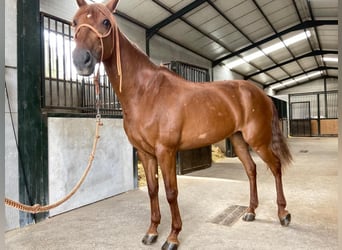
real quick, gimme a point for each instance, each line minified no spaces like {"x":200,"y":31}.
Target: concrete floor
{"x":120,"y":222}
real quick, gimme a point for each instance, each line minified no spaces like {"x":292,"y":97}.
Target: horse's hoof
{"x":149,"y":239}
{"x":286,"y":220}
{"x":169,"y":246}
{"x":249,"y":217}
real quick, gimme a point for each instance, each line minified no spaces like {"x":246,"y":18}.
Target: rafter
{"x":308,"y":81}
{"x":155,"y":28}
{"x":310,"y":54}
{"x":301,"y":26}
{"x":206,"y":34}
{"x":321,"y":68}
{"x":239,"y":30}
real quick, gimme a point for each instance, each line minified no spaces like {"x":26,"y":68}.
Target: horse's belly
{"x":200,"y":136}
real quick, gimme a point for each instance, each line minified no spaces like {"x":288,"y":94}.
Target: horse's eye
{"x":74,"y":23}
{"x":106,"y":23}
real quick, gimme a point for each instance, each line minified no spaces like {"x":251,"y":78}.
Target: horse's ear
{"x":81,"y":3}
{"x":112,"y":4}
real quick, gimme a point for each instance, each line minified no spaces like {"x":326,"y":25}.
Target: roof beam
{"x":240,"y":31}
{"x":321,"y":68}
{"x":154,"y":29}
{"x":310,"y":54}
{"x":281,"y":39}
{"x":206,"y":34}
{"x":301,"y":83}
{"x":315,"y":28}
{"x":301,"y":20}
{"x":301,"y":26}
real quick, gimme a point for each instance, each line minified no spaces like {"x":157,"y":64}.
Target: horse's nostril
{"x":87,"y":59}
{"x":83,"y":61}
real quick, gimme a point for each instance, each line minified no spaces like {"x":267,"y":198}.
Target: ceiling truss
{"x":307,"y":21}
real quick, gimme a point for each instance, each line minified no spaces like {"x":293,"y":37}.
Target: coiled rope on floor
{"x":37,"y":208}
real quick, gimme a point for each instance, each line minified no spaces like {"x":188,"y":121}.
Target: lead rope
{"x":37,"y":208}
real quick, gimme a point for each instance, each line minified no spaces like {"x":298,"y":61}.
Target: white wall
{"x":70,"y":143}
{"x":11,"y":153}
{"x":221,"y":72}
{"x":2,"y":123}
{"x":314,"y":86}
{"x":163,"y":51}
{"x":64,"y":9}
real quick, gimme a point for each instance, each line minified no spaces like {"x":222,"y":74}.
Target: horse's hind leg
{"x":242,"y":151}
{"x":274,"y":164}
{"x":151,"y":171}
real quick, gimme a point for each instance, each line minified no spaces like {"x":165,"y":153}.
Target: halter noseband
{"x":115,"y":32}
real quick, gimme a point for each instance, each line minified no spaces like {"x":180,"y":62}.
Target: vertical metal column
{"x":325,"y":97}
{"x":32,"y":127}
{"x":319,"y":114}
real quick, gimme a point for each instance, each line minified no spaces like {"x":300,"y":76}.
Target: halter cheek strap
{"x":115,"y":33}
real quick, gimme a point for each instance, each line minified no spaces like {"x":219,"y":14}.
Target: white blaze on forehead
{"x":89,"y":15}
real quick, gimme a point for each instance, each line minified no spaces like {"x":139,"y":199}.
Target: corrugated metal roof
{"x":224,"y":31}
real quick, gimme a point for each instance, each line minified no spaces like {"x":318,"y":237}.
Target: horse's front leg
{"x":151,"y":171}
{"x":167,"y":161}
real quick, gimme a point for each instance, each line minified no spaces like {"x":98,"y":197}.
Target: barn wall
{"x":162,"y":51}
{"x":70,"y":144}
{"x":314,"y":86}
{"x":223,"y":73}
{"x":11,"y":153}
{"x":2,"y":125}
{"x":64,"y":9}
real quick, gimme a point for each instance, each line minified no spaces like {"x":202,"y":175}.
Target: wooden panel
{"x":314,"y":128}
{"x":329,"y":127}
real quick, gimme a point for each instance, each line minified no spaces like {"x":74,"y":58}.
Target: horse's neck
{"x":137,"y":69}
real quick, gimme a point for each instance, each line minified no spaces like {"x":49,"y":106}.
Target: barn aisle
{"x":120,"y":222}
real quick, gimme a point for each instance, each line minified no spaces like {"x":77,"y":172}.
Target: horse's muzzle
{"x":84,"y":61}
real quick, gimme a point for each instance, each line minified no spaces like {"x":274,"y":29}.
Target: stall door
{"x":300,"y":120}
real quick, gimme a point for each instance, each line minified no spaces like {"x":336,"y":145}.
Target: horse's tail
{"x":279,"y":145}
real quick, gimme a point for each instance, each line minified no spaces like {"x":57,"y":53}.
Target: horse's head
{"x":95,"y":30}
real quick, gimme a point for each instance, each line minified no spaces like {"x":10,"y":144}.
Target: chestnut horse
{"x":164,"y":113}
